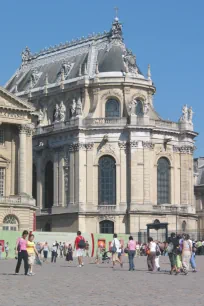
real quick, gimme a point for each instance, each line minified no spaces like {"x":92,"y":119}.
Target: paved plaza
{"x":63,"y":284}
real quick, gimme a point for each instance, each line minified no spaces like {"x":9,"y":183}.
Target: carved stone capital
{"x":22,"y":129}
{"x":89,"y":146}
{"x":122,"y":145}
{"x":184,"y":149}
{"x":133,"y":144}
{"x":148,"y":145}
{"x":79,"y":146}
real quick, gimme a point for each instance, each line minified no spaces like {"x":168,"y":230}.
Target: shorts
{"x":31,"y":259}
{"x":79,"y":252}
{"x":115,"y":256}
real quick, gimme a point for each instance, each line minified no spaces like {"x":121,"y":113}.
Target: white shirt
{"x":152,"y":246}
{"x":117,"y":244}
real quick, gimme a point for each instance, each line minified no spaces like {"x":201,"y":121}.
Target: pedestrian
{"x":115,"y":249}
{"x":32,"y":251}
{"x":158,"y":254}
{"x":131,"y":253}
{"x":186,"y":253}
{"x":39,"y":249}
{"x":21,"y":251}
{"x":69,"y":256}
{"x":61,"y":248}
{"x":54,"y":253}
{"x":7,"y":249}
{"x":80,"y":245}
{"x":98,"y":255}
{"x":1,"y":250}
{"x":45,"y":251}
{"x":173,"y":244}
{"x":151,"y":254}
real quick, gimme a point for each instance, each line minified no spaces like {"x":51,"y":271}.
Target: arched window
{"x":112,"y":108}
{"x":163,"y":181}
{"x":106,"y":227}
{"x":49,"y":185}
{"x":10,"y":223}
{"x":107,"y":181}
{"x":184,"y":226}
{"x":34,"y":189}
{"x":139,"y":108}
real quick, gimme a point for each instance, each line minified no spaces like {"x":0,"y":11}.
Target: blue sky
{"x":166,"y":34}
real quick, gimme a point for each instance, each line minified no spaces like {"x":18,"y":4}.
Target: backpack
{"x":158,"y":252}
{"x":82,"y":243}
{"x":113,"y":249}
{"x":170,"y":248}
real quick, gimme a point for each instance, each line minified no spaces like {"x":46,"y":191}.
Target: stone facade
{"x":98,"y":142}
{"x":17,"y":207}
{"x":199,"y":193}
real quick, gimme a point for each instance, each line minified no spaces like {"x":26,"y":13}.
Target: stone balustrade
{"x":17,"y":200}
{"x":172,"y":208}
{"x":106,"y":208}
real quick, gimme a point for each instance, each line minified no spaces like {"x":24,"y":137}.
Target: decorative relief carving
{"x":130,"y":62}
{"x":107,"y":148}
{"x":112,"y":93}
{"x":106,"y":217}
{"x":11,"y":115}
{"x":184,"y":149}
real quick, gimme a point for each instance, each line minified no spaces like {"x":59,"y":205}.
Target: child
{"x":69,"y":256}
{"x":31,"y":250}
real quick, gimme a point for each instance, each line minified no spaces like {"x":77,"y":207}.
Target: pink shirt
{"x":131,"y":245}
{"x":22,"y":243}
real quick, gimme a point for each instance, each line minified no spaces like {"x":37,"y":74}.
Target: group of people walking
{"x":181,"y":251}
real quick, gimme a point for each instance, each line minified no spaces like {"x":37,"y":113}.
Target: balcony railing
{"x":17,"y":200}
{"x":106,"y":121}
{"x":106,"y":208}
{"x":165,"y":124}
{"x":176,"y":209}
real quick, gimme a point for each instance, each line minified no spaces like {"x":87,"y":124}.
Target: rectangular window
{"x":5,"y":228}
{"x":2,"y":181}
{"x":1,"y":137}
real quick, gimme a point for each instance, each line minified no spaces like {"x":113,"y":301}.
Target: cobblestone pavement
{"x":63,"y":284}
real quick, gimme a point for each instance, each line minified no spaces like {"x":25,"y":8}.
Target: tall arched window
{"x":139,"y":108}
{"x":49,"y":185}
{"x":107,"y":181}
{"x":10,"y":223}
{"x":112,"y":108}
{"x":163,"y":181}
{"x":106,"y":227}
{"x":184,"y":226}
{"x":34,"y":189}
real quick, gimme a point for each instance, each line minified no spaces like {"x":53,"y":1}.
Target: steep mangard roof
{"x":101,"y":53}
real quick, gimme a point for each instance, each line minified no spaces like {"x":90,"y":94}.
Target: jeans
{"x":54,"y":256}
{"x":22,"y":255}
{"x":151,"y":261}
{"x":192,"y":261}
{"x":131,"y":255}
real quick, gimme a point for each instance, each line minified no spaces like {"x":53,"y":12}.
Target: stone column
{"x":61,"y":179}
{"x":40,"y":179}
{"x":22,"y":159}
{"x":80,"y":174}
{"x":123,"y":175}
{"x":185,"y":184}
{"x":147,"y":147}
{"x":29,"y":160}
{"x":89,"y":176}
{"x":71,"y":176}
{"x":56,"y":178}
{"x":13,"y":165}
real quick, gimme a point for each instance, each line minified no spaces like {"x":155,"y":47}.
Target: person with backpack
{"x":80,"y":245}
{"x":173,"y":244}
{"x":115,"y":249}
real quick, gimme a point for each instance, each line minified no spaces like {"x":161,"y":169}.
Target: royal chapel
{"x":104,"y":160}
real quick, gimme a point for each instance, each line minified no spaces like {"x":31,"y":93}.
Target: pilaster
{"x":22,"y":159}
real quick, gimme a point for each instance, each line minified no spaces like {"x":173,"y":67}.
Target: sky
{"x":168,"y":35}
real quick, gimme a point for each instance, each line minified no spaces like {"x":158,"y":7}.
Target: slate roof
{"x":75,"y":59}
{"x":199,"y":170}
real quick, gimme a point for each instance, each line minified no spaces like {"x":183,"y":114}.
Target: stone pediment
{"x":10,"y":101}
{"x":4,"y":160}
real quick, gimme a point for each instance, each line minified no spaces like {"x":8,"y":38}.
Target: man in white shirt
{"x":115,"y":249}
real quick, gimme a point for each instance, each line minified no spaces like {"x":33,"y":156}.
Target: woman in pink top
{"x":21,"y":250}
{"x":131,"y":253}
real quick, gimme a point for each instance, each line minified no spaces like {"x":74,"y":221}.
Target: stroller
{"x":105,"y":257}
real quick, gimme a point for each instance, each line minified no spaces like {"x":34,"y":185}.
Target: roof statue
{"x":25,"y":55}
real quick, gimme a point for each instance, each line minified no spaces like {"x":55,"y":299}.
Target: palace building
{"x":103,"y":158}
{"x":17,"y":207}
